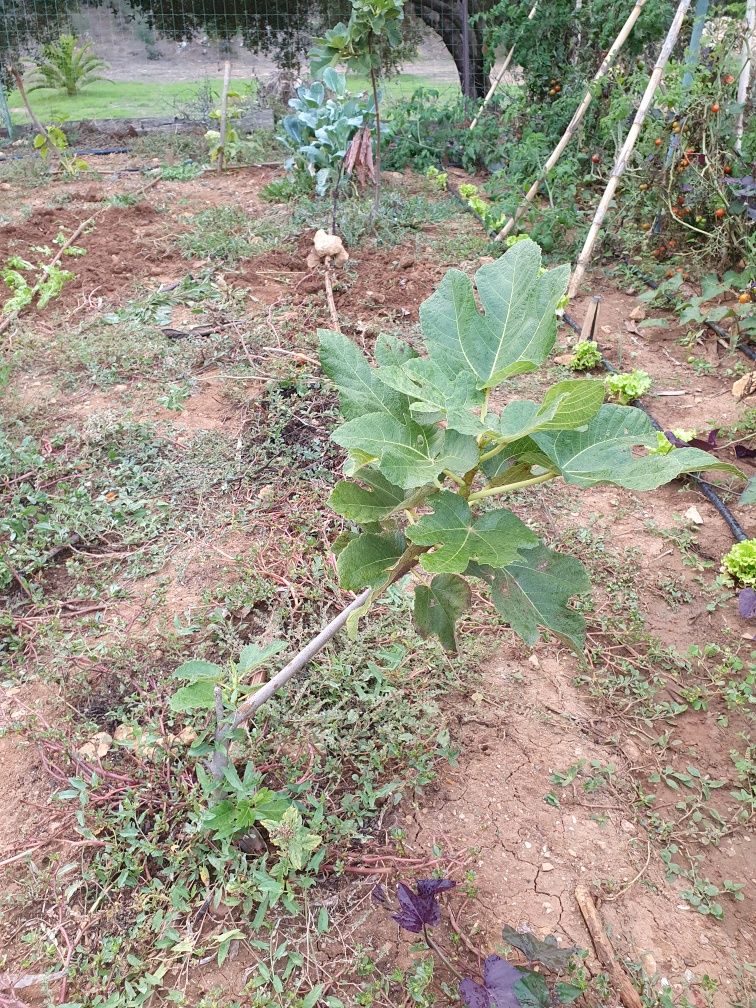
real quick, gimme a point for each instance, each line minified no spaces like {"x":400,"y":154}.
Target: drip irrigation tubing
{"x":93,"y":152}
{"x":706,"y":489}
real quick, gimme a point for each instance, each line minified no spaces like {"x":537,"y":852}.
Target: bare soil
{"x":526,"y":719}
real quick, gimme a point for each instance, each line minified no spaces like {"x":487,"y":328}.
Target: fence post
{"x":466,"y":89}
{"x":5,"y":111}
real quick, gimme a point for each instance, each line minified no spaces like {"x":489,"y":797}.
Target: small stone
{"x":547,"y":866}
{"x":186,"y":736}
{"x":648,"y":963}
{"x":533,"y":660}
{"x":97,"y":747}
{"x":638,"y":313}
{"x":703,"y":940}
{"x":627,"y":826}
{"x":694,"y":515}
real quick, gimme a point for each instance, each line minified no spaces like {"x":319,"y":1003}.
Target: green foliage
{"x":586,"y":355}
{"x":370,"y":41}
{"x":428,"y":129}
{"x":43,"y":287}
{"x":427,"y":451}
{"x":627,"y":386}
{"x":67,"y":65}
{"x":53,"y":139}
{"x":740,"y":563}
{"x":229,"y":233}
{"x":234,"y":147}
{"x":318,"y":132}
{"x":565,"y":54}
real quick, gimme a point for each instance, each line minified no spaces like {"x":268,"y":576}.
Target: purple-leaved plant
{"x":420,"y":909}
{"x":497,"y":989}
{"x":747,"y":603}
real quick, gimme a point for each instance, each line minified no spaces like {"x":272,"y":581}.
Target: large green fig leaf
{"x":566,"y":405}
{"x":518,"y":328}
{"x":391,"y":351}
{"x":749,"y":494}
{"x":408,"y":454}
{"x":359,"y":391}
{"x":494,"y":538}
{"x":438,"y":607}
{"x":603,"y":452}
{"x":376,"y":500}
{"x":436,"y":394}
{"x":366,"y":560}
{"x":533,"y":592}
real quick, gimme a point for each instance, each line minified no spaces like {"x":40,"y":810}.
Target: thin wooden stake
{"x":500,"y":75}
{"x":590,"y":323}
{"x":577,"y":118}
{"x":329,"y":295}
{"x":223,"y":129}
{"x":627,"y":148}
{"x":744,"y":81}
{"x":629,"y":996}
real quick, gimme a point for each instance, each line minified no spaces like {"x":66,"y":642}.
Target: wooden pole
{"x":577,"y":118}
{"x":500,"y":75}
{"x":628,"y":995}
{"x":223,"y":128}
{"x":744,"y":81}
{"x":630,"y":140}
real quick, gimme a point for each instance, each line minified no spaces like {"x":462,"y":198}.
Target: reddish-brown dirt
{"x":122,"y":246}
{"x":526,"y":718}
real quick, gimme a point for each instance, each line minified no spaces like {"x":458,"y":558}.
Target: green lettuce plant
{"x":740,"y":563}
{"x":434,"y":441}
{"x":585,"y":356}
{"x":628,"y":386}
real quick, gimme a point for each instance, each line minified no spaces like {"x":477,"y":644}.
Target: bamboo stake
{"x":577,"y":118}
{"x":630,"y":140}
{"x":744,"y":81}
{"x":500,"y":75}
{"x":223,"y":128}
{"x":245,"y":710}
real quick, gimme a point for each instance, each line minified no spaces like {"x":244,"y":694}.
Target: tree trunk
{"x":445,"y":18}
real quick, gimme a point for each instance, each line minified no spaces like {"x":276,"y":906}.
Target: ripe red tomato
{"x":719,"y":213}
{"x":596,"y":158}
{"x":744,"y":298}
{"x":715,"y":108}
{"x":727,"y":169}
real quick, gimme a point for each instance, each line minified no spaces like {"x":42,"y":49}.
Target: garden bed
{"x":177,"y":449}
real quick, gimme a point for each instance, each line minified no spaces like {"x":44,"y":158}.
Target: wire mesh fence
{"x":164,"y":59}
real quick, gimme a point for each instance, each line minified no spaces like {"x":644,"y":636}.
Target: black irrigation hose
{"x":706,"y":489}
{"x":95,"y":152}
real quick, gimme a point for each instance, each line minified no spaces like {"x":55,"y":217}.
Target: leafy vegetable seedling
{"x":429,"y":452}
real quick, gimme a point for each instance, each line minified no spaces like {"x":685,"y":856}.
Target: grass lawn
{"x":116,"y":100}
{"x":140,"y":99}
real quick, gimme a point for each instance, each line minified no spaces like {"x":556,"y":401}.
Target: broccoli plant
{"x":434,"y":441}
